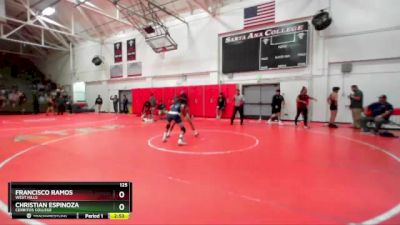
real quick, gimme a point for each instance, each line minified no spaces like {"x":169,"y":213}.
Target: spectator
{"x":60,"y":105}
{"x":146,"y":111}
{"x":221,"y":102}
{"x":115,"y":101}
{"x":356,"y":105}
{"x":13,"y":97}
{"x":68,"y":103}
{"x":50,"y":105}
{"x":153,"y":104}
{"x":41,"y":87}
{"x":378,"y":112}
{"x":3,"y":101}
{"x":277,"y":103}
{"x":42,"y":99}
{"x":125,"y":103}
{"x":35,"y":104}
{"x":303,"y":101}
{"x":99,"y":103}
{"x":162,"y":110}
{"x":21,"y":98}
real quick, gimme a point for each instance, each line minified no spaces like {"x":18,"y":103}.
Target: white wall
{"x":365,"y":32}
{"x":374,"y":78}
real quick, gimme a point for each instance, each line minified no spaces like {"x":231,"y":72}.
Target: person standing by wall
{"x":356,"y":105}
{"x":153,"y":104}
{"x":68,"y":103}
{"x":220,"y":105}
{"x":60,"y":105}
{"x":333,"y":106}
{"x":125,"y":103}
{"x":50,"y":105}
{"x":35,"y":104}
{"x":99,"y":103}
{"x":302,"y":102}
{"x":277,"y":102}
{"x":162,"y":110}
{"x":115,"y":101}
{"x":239,"y":106}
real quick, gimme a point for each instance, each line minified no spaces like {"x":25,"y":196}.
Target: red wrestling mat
{"x":251,"y":174}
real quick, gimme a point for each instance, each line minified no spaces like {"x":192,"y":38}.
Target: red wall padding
{"x":202,"y":98}
{"x":196,"y":100}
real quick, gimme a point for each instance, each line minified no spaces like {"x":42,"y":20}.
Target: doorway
{"x":128,"y":94}
{"x":258,"y":99}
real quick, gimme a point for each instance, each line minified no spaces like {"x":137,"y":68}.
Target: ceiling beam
{"x":17,"y":29}
{"x":35,"y":44}
{"x":99,"y":11}
{"x":203,"y":7}
{"x":190,"y":6}
{"x":59,"y":37}
{"x":42,"y":27}
{"x":53,"y":22}
{"x":164,"y":9}
{"x":40,"y":50}
{"x":25,"y":5}
{"x":20,"y":53}
{"x":86,"y":17}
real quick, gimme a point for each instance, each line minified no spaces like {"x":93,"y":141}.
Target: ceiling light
{"x":48,"y":11}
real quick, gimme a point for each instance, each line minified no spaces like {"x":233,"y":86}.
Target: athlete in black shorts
{"x":333,"y":106}
{"x":175,"y":114}
{"x":183,"y":98}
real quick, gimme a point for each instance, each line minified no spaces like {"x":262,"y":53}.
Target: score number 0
{"x":121,"y":195}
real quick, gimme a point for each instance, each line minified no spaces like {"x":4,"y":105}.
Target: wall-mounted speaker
{"x":347,"y":67}
{"x":97,"y":61}
{"x":322,"y":20}
{"x":149,"y":29}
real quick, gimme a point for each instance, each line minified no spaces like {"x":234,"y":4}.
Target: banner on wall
{"x":118,"y":52}
{"x":116,"y":71}
{"x":131,"y":49}
{"x":134,"y":69}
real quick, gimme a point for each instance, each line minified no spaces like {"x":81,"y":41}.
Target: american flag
{"x":260,"y":14}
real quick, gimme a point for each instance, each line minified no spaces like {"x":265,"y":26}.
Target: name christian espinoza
{"x":72,"y":205}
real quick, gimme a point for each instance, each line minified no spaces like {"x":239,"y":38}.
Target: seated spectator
{"x":60,"y":100}
{"x":50,"y":105}
{"x":22,"y":98}
{"x":3,"y":101}
{"x":162,"y":110}
{"x":146,"y":111}
{"x":13,"y":98}
{"x":378,"y":112}
{"x":35,"y":104}
{"x":68,"y":103}
{"x":40,"y":86}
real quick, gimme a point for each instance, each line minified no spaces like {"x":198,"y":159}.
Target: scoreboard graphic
{"x":272,"y":48}
{"x":77,"y":200}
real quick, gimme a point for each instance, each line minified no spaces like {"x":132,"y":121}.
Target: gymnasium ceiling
{"x":26,"y":32}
